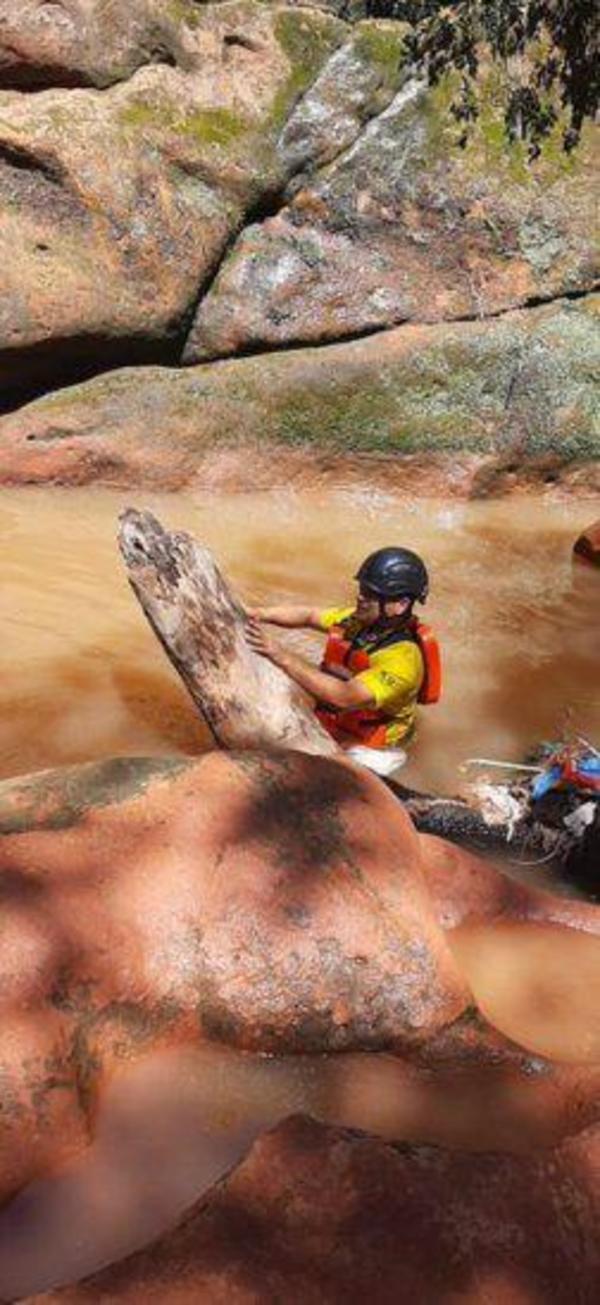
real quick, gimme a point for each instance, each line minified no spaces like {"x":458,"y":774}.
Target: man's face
{"x":368,"y":610}
{"x":367,"y":605}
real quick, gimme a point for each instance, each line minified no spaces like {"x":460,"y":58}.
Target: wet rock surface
{"x":321,"y":1214}
{"x":476,"y":408}
{"x":273,"y":902}
{"x":467,"y":888}
{"x":269,"y":902}
{"x":587,"y":546}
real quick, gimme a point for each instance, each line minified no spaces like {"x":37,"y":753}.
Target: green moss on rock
{"x":185,"y":11}
{"x":386,"y":415}
{"x":578,"y":442}
{"x":59,"y":799}
{"x":308,"y":39}
{"x":381,"y":44}
{"x":214,"y":126}
{"x":522,"y":382}
{"x":207,"y":126}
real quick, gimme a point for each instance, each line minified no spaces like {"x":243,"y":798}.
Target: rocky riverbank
{"x":184,"y":183}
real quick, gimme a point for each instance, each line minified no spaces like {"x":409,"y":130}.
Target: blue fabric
{"x":548,"y":780}
{"x":587,"y":768}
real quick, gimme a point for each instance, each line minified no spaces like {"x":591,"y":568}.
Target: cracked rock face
{"x":182,"y":182}
{"x":403,"y":226}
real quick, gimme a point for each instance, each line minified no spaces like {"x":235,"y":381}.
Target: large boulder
{"x":318,"y":1214}
{"x":272,"y":902}
{"x":464,"y":408}
{"x":116,"y":205}
{"x":151,"y":133}
{"x":405,"y":226}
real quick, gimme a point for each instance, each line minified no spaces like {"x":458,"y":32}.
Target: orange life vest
{"x":341,"y":658}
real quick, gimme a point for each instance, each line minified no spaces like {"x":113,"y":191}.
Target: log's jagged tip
{"x":139,"y":534}
{"x":142,"y":537}
{"x":141,"y":517}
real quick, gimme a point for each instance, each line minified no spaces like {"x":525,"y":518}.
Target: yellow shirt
{"x":393,"y":679}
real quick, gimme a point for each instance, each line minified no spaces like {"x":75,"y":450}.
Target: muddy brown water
{"x":82,"y":677}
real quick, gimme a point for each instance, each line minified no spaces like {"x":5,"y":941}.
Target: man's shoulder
{"x":331,"y":616}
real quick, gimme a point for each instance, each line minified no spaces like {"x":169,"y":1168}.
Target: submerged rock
{"x":587,"y":546}
{"x":318,"y":1214}
{"x":469,"y":408}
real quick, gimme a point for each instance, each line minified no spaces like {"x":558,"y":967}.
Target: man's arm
{"x":323,"y":687}
{"x":294,"y":618}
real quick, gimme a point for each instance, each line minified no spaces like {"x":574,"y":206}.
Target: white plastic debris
{"x":383,"y":761}
{"x":578,"y":821}
{"x":498,"y":806}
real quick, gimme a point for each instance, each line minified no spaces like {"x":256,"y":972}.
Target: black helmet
{"x":394,"y":573}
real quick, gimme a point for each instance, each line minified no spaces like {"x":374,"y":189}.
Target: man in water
{"x":375,"y":661}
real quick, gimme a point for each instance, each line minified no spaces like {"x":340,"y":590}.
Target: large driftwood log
{"x":249,"y":703}
{"x":244,"y":699}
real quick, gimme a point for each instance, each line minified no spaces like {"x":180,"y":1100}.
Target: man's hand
{"x":322,"y":687}
{"x":258,"y":639}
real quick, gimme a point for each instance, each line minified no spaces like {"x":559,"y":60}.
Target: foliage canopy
{"x":550,"y":51}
